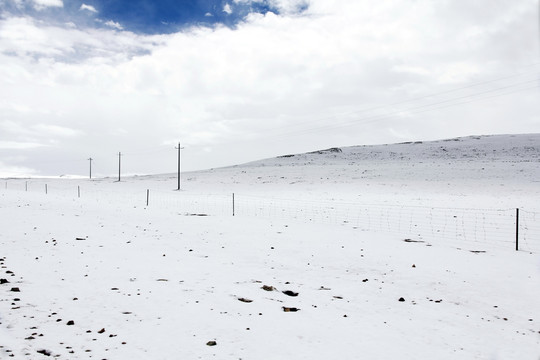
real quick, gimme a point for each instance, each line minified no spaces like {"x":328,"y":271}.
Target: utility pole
{"x":119,"y":164}
{"x":90,"y":167}
{"x":179,"y":148}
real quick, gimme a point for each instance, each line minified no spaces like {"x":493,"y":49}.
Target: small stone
{"x":70,"y":322}
{"x":268,"y":288}
{"x":401,"y":299}
{"x":290,"y":293}
{"x":15,"y":289}
{"x":101,"y":331}
{"x":245,"y":300}
{"x":4,"y":281}
{"x":211,"y":343}
{"x":290,"y":309}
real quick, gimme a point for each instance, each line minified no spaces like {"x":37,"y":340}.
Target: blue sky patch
{"x":140,"y":16}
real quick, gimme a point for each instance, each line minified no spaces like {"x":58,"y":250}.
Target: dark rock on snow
{"x":290,"y":309}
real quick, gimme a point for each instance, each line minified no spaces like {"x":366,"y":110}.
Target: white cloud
{"x":88,"y":8}
{"x":56,"y":130}
{"x":280,"y":83}
{"x":416,"y":70}
{"x":30,"y":39}
{"x":19,"y":145}
{"x":227,"y":9}
{"x":43,"y":4}
{"x":283,"y":6}
{"x":7,"y":170}
{"x":114,"y":25}
{"x":18,"y":3}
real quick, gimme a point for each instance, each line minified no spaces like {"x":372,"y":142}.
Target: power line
{"x":373,"y":118}
{"x":385,"y":106}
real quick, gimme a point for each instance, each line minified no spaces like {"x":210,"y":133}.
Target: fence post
{"x":517,"y":229}
{"x":26,"y":186}
{"x":232,"y":204}
{"x":46,"y":190}
{"x":147,"y":196}
{"x":78,"y":191}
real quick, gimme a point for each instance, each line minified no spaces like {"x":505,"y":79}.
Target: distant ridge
{"x":515,"y":146}
{"x":488,"y":161}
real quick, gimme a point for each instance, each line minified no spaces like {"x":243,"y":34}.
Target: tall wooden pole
{"x":119,"y":164}
{"x":517,"y":229}
{"x":90,"y":167}
{"x":179,"y":148}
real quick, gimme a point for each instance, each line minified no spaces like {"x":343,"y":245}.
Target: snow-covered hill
{"x":461,"y":167}
{"x":509,"y":157}
{"x":488,"y":147}
{"x":381,"y":252}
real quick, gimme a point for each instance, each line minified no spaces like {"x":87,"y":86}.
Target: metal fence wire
{"x":472,"y":227}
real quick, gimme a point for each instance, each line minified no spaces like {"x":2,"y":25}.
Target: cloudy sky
{"x":241,"y":80}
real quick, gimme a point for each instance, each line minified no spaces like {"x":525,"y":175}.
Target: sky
{"x":241,"y":80}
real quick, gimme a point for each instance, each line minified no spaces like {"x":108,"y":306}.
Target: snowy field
{"x":376,"y":252}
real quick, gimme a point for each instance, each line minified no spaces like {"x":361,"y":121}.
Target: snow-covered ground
{"x":395,"y":251}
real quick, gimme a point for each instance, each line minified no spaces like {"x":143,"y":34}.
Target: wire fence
{"x":473,"y":228}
